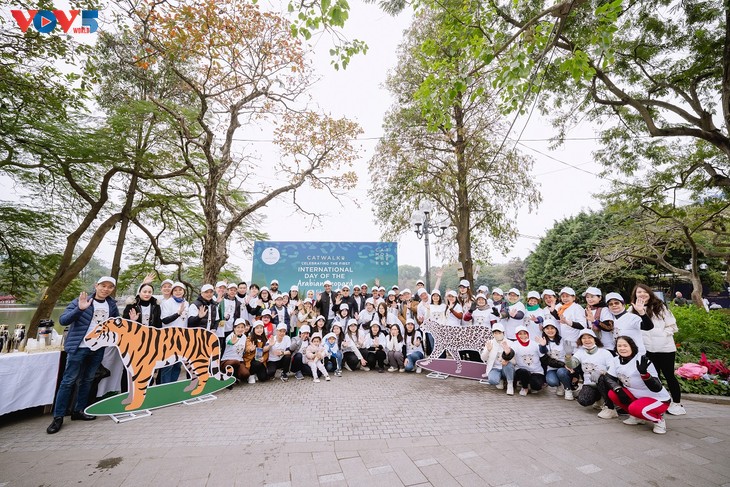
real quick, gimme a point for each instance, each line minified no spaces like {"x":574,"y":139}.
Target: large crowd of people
{"x":607,"y":353}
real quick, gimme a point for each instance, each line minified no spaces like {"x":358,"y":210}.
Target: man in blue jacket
{"x":82,"y":316}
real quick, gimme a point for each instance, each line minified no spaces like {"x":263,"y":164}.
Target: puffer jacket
{"x":78,"y":321}
{"x":661,"y":338}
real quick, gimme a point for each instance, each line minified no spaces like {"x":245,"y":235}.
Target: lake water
{"x":12,"y":314}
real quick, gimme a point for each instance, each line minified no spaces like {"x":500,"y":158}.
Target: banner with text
{"x":308,"y":264}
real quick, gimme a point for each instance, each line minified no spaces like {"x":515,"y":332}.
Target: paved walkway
{"x":369,"y":429}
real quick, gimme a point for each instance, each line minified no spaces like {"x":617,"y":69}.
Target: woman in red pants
{"x":636,"y":388}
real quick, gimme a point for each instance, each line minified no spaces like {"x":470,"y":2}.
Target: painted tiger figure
{"x":144,"y":349}
{"x":452,"y":339}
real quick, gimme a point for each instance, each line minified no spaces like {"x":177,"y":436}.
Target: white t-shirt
{"x":629,"y":325}
{"x":234,"y":351}
{"x":438,"y":313}
{"x":599,"y":361}
{"x":451,"y":319}
{"x":631,"y":379}
{"x":170,"y":307}
{"x":101,"y":314}
{"x":574,"y":313}
{"x":527,"y":357}
{"x":283,"y":346}
{"x":512,"y":323}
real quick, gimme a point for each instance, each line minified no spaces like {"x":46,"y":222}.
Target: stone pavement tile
{"x":405,"y":468}
{"x":327,"y":463}
{"x":411,"y":442}
{"x":685,"y":476}
{"x":368,"y":444}
{"x":373,"y":458}
{"x":387,"y":479}
{"x":303,"y":474}
{"x":452,"y":463}
{"x":310,"y":446}
{"x":438,"y":476}
{"x":462,"y":439}
{"x":470,"y":480}
{"x":346,"y":454}
{"x":276,"y":468}
{"x":331,"y":478}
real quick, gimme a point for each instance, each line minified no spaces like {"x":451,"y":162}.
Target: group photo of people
{"x":605,"y":351}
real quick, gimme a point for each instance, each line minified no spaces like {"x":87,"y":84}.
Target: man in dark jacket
{"x":348,"y":300}
{"x":324,"y":304}
{"x":82,"y":316}
{"x":203,"y":312}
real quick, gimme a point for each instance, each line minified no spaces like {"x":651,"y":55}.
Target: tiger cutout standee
{"x":144,"y":349}
{"x":453,"y":339}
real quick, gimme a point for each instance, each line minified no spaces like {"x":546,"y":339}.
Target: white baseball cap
{"x":345,"y":287}
{"x":497,"y":290}
{"x":521,"y":328}
{"x":611,"y":296}
{"x":592,"y":290}
{"x":464,"y":283}
{"x":166,"y":281}
{"x":206,"y":287}
{"x":370,"y":301}
{"x":452,"y":293}
{"x":533,"y":294}
{"x":435,"y":291}
{"x":327,"y":283}
{"x":316,"y":335}
{"x":481,"y":296}
{"x":567,"y":290}
{"x":258,"y":323}
{"x":329,"y":335}
{"x":548,"y":292}
{"x":395,"y":286}
{"x":391,"y":293}
{"x":320,"y":317}
{"x":178,"y":284}
{"x":498,"y":327}
{"x":514,"y":290}
{"x":420,"y":281}
{"x":266,"y":312}
{"x":586,"y":331}
{"x":344,"y":306}
{"x":233,"y":285}
{"x":239,"y":321}
{"x":281,"y":326}
{"x":406,"y":291}
{"x":273,"y":281}
{"x":304,"y":329}
{"x":220,"y":283}
{"x":109,"y":279}
{"x":421,"y":290}
{"x":352,"y":321}
{"x":294,"y":288}
{"x":483,"y":289}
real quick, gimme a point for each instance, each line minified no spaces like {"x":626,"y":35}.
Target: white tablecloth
{"x":27,"y":380}
{"x":113,"y":362}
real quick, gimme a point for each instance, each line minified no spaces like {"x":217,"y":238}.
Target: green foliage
{"x":714,"y":387}
{"x":699,"y":326}
{"x":566,"y":256}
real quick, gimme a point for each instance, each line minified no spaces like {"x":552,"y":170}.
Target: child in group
{"x":555,"y":350}
{"x":333,"y":352}
{"x":498,"y":355}
{"x":528,"y":365}
{"x":635,"y":386}
{"x":394,"y":347}
{"x":315,"y":357}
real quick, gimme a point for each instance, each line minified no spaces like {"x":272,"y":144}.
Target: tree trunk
{"x":123,"y":227}
{"x":65,"y":275}
{"x":463,"y":230}
{"x":697,"y":289}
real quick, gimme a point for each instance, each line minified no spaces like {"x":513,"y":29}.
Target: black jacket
{"x":155,"y":311}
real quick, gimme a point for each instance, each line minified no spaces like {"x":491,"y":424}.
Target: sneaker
{"x":381,"y":370}
{"x":299,"y":375}
{"x":568,"y":395}
{"x":524,"y":391}
{"x":607,"y":413}
{"x":338,"y":373}
{"x":632,"y":421}
{"x":327,"y":378}
{"x":598,"y":405}
{"x":348,"y":367}
{"x":676,"y":409}
{"x":284,"y":377}
{"x":418,"y":370}
{"x":366,"y":368}
{"x":316,"y":380}
{"x":251,"y":379}
{"x":660,"y":428}
{"x":500,"y":385}
{"x":510,"y":389}
{"x":392,"y":369}
{"x":560,"y":390}
{"x":402,"y":369}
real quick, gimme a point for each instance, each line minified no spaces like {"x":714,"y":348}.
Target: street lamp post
{"x":423,"y":228}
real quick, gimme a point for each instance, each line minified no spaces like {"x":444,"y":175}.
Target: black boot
{"x":55,"y":425}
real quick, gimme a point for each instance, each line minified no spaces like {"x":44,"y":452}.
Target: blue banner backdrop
{"x":308,"y":264}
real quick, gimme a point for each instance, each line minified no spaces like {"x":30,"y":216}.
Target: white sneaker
{"x":560,"y":390}
{"x":598,"y":405}
{"x":348,"y":367}
{"x":607,"y":413}
{"x":327,"y":378}
{"x":418,"y":370}
{"x":500,"y":385}
{"x":632,"y":421}
{"x":402,"y":369}
{"x":568,"y":395}
{"x":660,"y":428}
{"x":366,"y":368}
{"x":392,"y":369}
{"x":676,"y":409}
{"x":524,"y":391}
{"x":251,"y":379}
{"x":510,"y":389}
{"x":316,"y":379}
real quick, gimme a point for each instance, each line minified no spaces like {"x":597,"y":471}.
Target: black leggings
{"x":527,"y":379}
{"x":259,"y":370}
{"x":282,"y":364}
{"x":376,"y":357}
{"x":590,"y":393}
{"x":664,"y":363}
{"x":351,"y":360}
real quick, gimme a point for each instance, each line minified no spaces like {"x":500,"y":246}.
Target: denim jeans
{"x":334,"y":362}
{"x":412,"y":358}
{"x":170,"y":373}
{"x":507,"y":372}
{"x":81,"y":364}
{"x":557,"y":377}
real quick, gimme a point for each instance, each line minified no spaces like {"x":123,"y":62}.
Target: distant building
{"x":7,"y":299}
